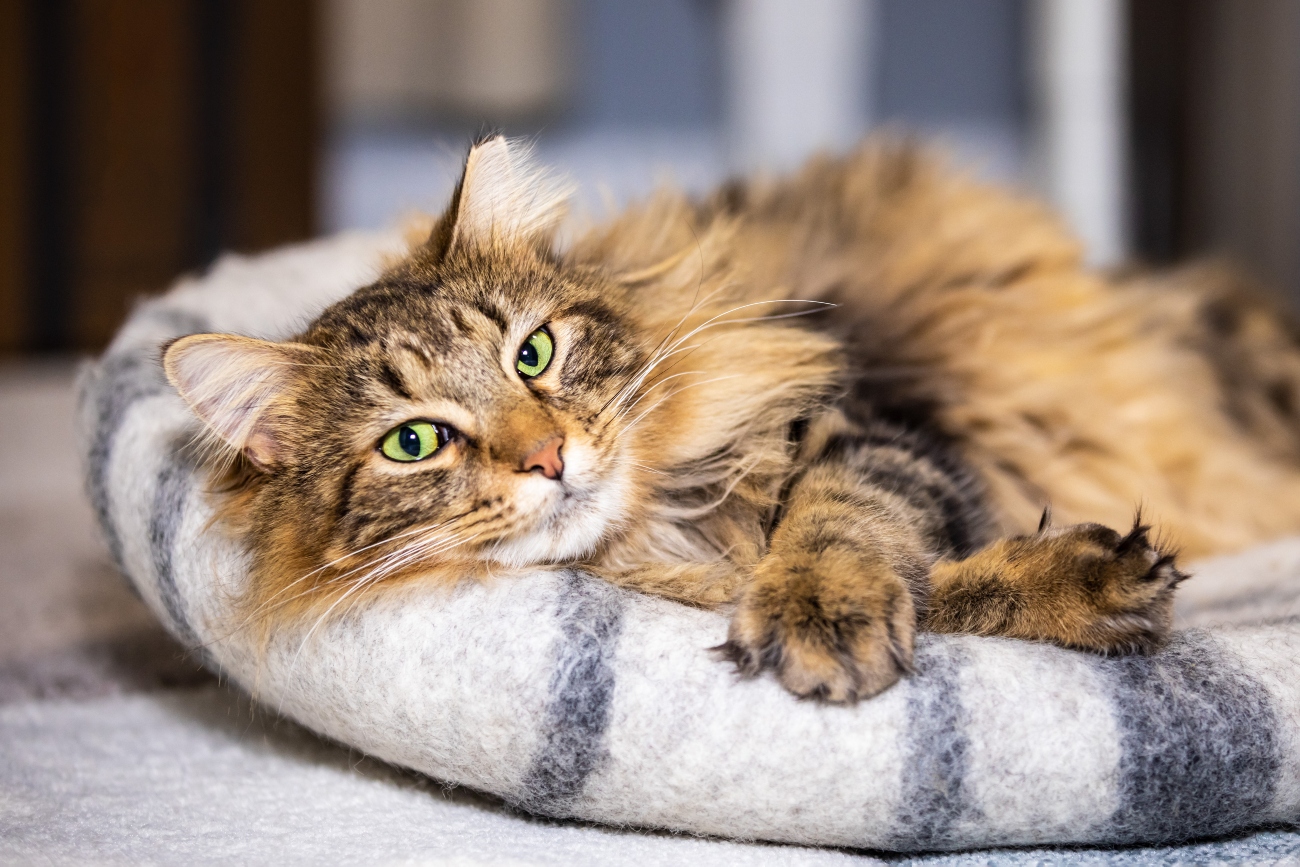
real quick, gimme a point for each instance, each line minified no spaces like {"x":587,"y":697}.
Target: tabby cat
{"x":836,"y":403}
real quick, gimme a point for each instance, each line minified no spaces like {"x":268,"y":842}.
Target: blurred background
{"x":139,"y":139}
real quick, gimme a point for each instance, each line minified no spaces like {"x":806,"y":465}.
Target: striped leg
{"x":883,"y":524}
{"x":1083,"y":586}
{"x":832,"y":608}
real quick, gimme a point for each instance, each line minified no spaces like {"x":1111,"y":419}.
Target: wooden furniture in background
{"x":13,"y":241}
{"x":139,"y":139}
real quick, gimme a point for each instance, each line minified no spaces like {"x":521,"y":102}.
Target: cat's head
{"x":487,"y":399}
{"x":470,"y":394}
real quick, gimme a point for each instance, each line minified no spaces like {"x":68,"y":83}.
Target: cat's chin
{"x":572,"y":532}
{"x":578,"y":518}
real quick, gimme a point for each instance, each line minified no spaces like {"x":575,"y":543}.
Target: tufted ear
{"x":503,"y":198}
{"x":239,"y":387}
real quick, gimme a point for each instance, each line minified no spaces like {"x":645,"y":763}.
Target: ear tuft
{"x":237,"y":386}
{"x":504,"y":197}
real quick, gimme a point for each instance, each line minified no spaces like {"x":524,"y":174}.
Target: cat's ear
{"x":503,"y":198}
{"x":239,"y":387}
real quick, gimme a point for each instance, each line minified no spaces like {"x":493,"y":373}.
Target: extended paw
{"x":1100,"y":590}
{"x":827,"y":627}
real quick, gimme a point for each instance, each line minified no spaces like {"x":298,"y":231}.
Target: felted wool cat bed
{"x":569,"y":697}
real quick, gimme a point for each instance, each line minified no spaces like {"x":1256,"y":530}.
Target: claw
{"x":1136,"y":538}
{"x":744,"y":661}
{"x":1176,"y":576}
{"x":749,"y":662}
{"x":1045,"y":521}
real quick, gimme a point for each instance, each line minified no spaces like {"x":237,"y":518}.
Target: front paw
{"x":830,"y":626}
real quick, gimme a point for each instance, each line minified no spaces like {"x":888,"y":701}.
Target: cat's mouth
{"x":571,"y":515}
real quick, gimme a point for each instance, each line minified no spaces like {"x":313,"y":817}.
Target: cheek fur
{"x":374,"y":505}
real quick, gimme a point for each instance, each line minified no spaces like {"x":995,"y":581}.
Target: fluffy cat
{"x":837,"y":401}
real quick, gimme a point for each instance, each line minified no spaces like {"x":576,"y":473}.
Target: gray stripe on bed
{"x":1198,"y":734}
{"x":171,"y":494}
{"x":933,"y":797}
{"x":581,"y":692}
{"x":123,"y":379}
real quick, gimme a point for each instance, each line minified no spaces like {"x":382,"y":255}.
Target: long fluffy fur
{"x":954,"y":302}
{"x":1177,"y":391}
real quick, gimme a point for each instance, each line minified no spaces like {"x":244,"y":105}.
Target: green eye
{"x":535,"y":354}
{"x":413,"y":441}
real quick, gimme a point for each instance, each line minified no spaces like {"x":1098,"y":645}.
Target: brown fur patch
{"x":1083,"y":586}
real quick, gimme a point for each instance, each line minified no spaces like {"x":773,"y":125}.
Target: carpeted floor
{"x":70,"y":627}
{"x":115,"y":748}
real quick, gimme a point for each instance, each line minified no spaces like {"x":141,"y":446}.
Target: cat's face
{"x":475,"y":401}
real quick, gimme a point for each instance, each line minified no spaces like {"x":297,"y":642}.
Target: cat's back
{"x":1063,"y":384}
{"x":894,"y":214}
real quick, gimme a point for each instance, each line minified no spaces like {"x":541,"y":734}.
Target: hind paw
{"x":1125,"y":587}
{"x":1084,"y":586}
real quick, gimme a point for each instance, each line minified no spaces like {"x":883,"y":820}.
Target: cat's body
{"x":700,"y":424}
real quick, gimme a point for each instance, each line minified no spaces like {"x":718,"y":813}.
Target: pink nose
{"x":547,"y":459}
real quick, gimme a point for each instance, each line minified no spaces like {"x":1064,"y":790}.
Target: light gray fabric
{"x":569,"y":697}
